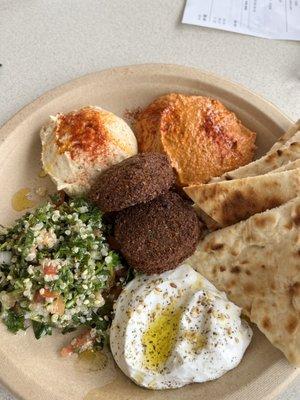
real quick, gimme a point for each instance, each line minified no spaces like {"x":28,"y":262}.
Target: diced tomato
{"x":47,"y":294}
{"x":67,"y":351}
{"x":77,"y":344}
{"x":82,"y":339}
{"x":58,"y":305}
{"x":50,"y":269}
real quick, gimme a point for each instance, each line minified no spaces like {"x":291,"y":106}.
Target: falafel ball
{"x":157,"y":236}
{"x":135,"y":180}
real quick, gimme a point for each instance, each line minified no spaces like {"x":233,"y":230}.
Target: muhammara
{"x":279,"y":156}
{"x":200,"y":135}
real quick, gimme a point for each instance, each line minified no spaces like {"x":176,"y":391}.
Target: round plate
{"x":33,"y":369}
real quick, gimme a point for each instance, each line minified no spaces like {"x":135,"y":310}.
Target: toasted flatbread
{"x":287,"y":167}
{"x":295,"y":128}
{"x":229,"y":202}
{"x":274,"y":159}
{"x":257,"y":263}
{"x":210,"y":223}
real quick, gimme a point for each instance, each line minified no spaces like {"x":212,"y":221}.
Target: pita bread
{"x":257,"y":263}
{"x":287,"y":167}
{"x":287,"y":136}
{"x":272,"y":160}
{"x":229,"y":202}
{"x":210,"y":223}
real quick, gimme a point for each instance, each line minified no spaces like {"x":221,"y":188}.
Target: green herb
{"x":13,"y":321}
{"x":40,"y":329}
{"x":67,"y":330}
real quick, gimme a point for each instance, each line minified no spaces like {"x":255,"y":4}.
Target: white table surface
{"x":44,"y":43}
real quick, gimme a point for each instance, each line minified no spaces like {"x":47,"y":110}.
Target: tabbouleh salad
{"x":56,"y":271}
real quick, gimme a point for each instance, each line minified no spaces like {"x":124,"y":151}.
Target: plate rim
{"x":85,"y":79}
{"x":169,"y":69}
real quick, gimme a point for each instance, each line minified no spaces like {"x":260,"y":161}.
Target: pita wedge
{"x":274,"y":159}
{"x":287,"y":136}
{"x":290,"y":165}
{"x":257,"y":263}
{"x":229,"y":202}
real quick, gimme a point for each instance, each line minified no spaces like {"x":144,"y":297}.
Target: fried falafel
{"x":158,"y":235}
{"x":137,"y":179}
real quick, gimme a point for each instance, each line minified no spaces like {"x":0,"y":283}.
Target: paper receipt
{"x":273,"y":19}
